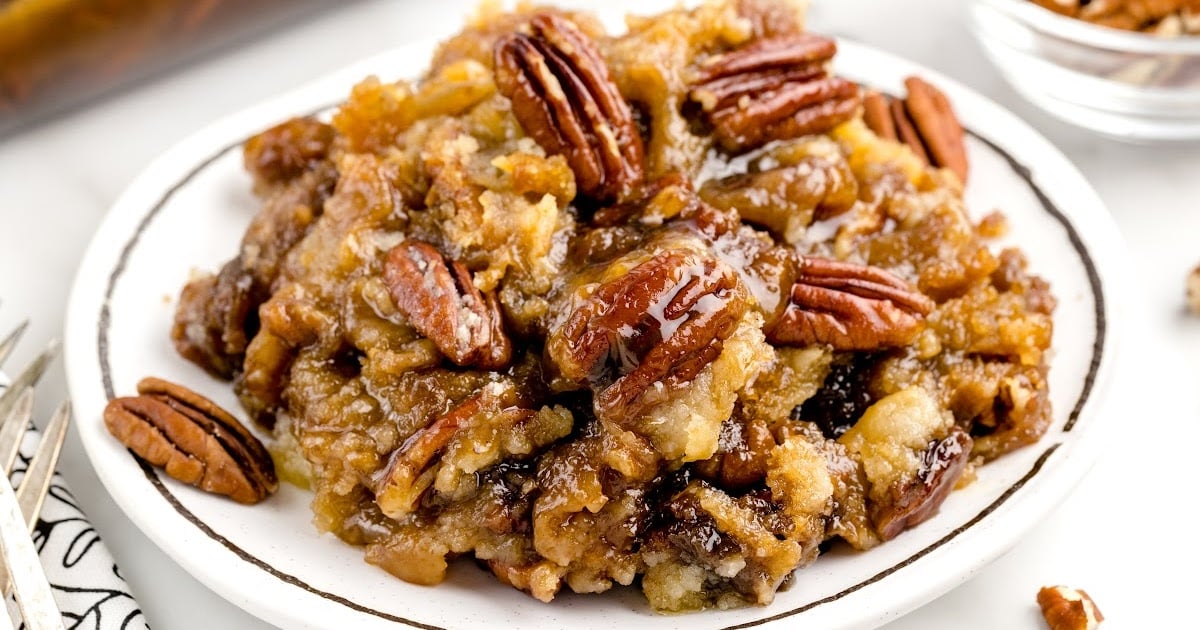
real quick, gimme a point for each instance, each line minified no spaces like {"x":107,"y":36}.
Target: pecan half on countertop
{"x":773,"y":89}
{"x":924,"y":121}
{"x":193,"y":439}
{"x":1066,"y":608}
{"x":850,"y":307}
{"x":441,"y":302}
{"x":565,"y":99}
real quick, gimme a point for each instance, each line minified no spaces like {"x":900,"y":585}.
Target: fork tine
{"x":10,"y":342}
{"x":36,"y":481}
{"x":27,"y":378}
{"x":13,"y":429}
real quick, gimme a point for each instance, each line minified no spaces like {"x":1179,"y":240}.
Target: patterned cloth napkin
{"x":87,"y":583}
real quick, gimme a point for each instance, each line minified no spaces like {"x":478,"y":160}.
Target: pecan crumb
{"x":993,"y":225}
{"x":1067,"y":608}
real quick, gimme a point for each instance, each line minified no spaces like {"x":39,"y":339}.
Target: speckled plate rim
{"x":288,"y":601}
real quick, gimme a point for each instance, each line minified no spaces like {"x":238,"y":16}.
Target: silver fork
{"x":19,"y":508}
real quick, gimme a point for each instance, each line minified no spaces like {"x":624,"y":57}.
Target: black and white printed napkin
{"x":87,"y":583}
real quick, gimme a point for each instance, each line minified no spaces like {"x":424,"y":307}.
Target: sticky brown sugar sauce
{"x":553,"y":307}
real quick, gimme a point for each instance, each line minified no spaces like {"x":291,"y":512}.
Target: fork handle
{"x":29,"y":582}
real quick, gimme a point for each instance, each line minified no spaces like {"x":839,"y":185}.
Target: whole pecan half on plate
{"x":441,"y":302}
{"x":773,"y":89}
{"x":213,"y":321}
{"x":850,"y":307}
{"x":925,"y":121}
{"x":565,"y":99}
{"x":912,"y":504}
{"x":410,"y":473}
{"x":788,"y":193}
{"x":193,"y":439}
{"x":661,"y":322}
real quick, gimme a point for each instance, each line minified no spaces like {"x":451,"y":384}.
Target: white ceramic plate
{"x":188,"y":210}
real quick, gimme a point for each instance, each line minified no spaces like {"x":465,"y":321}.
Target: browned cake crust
{"x":559,"y":306}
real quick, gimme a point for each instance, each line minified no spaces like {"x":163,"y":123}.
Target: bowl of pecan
{"x":584,"y":323}
{"x":1129,"y":69}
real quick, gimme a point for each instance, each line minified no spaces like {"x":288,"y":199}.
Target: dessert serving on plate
{"x":594,"y":310}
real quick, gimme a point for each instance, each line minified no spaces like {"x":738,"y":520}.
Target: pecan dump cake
{"x":597,"y":310}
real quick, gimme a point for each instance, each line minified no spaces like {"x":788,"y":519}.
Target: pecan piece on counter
{"x":941,"y":466}
{"x":850,"y":307}
{"x":441,"y":302}
{"x":661,"y":322}
{"x":924,"y":121}
{"x":193,"y":439}
{"x":565,"y":99}
{"x":773,"y":89}
{"x":1066,"y":608}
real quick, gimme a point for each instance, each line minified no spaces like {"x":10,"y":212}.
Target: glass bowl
{"x":1126,"y":85}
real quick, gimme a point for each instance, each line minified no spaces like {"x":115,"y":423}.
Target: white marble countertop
{"x":1121,"y":535}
